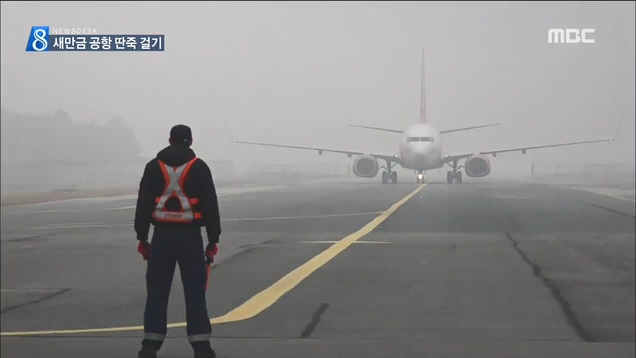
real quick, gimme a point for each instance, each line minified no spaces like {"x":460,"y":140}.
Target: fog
{"x":297,"y":73}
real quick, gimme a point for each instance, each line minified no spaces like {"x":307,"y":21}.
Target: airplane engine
{"x":477,"y":166}
{"x":366,"y":166}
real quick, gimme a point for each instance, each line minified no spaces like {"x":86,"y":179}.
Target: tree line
{"x":58,"y":138}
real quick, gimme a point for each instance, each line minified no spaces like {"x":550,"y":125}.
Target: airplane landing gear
{"x":420,"y":177}
{"x":389,"y":174}
{"x":454,"y":174}
{"x":450,"y":176}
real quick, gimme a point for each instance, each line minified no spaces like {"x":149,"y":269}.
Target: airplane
{"x":421,"y":148}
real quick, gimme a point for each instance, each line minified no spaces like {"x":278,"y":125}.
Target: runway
{"x":344,"y":269}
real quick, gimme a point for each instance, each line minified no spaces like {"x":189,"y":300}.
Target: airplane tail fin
{"x":423,"y":93}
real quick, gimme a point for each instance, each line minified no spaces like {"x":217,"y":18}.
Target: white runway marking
{"x":29,"y":290}
{"x":609,"y":192}
{"x":513,"y":197}
{"x":104,"y":199}
{"x":242,"y":190}
{"x":622,"y":198}
{"x":98,"y":225}
{"x":220,"y":194}
{"x":71,"y":210}
{"x":78,"y":226}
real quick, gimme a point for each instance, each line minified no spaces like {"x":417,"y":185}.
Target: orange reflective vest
{"x":174,"y":178}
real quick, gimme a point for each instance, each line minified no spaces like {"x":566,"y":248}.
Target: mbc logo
{"x":570,"y":36}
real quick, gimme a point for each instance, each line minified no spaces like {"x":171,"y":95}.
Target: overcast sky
{"x":296,"y":73}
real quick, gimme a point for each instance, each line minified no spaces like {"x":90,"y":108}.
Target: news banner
{"x":41,"y":40}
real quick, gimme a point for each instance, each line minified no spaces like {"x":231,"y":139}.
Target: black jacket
{"x":198,"y":184}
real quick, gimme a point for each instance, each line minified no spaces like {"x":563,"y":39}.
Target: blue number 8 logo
{"x":38,"y":40}
{"x":39,"y":35}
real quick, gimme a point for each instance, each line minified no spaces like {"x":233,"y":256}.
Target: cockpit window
{"x":420,"y":139}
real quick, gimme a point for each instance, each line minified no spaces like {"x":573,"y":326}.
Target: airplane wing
{"x":441,"y":132}
{"x":453,"y":157}
{"x":467,"y":128}
{"x":377,"y":128}
{"x":393,"y":158}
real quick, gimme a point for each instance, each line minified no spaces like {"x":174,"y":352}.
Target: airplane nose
{"x":419,"y":154}
{"x":420,"y":157}
{"x":419,"y":147}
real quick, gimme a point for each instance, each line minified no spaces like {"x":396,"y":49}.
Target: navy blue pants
{"x":170,"y":246}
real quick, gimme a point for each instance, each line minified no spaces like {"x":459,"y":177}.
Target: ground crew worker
{"x":177,"y":195}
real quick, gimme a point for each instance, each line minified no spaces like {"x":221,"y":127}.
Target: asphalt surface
{"x":481,"y":269}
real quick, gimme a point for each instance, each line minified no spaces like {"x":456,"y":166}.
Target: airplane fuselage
{"x":420,"y":147}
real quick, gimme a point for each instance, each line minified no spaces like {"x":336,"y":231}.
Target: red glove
{"x":144,"y":249}
{"x":210,"y":251}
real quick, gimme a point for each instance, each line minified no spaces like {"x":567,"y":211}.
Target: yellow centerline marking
{"x":335,"y":242}
{"x":264,"y":299}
